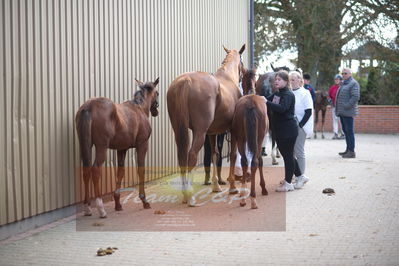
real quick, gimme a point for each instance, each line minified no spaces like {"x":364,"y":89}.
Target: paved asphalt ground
{"x":359,"y":225}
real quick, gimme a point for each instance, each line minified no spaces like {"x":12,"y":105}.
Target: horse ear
{"x":242,"y":49}
{"x":274,"y":70}
{"x":227,"y":50}
{"x":156,"y":82}
{"x":140,"y":83}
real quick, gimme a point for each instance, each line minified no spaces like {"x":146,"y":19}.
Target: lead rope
{"x":228,"y":139}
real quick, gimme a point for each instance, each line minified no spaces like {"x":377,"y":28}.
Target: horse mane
{"x":225,"y":60}
{"x":250,"y":75}
{"x":139,"y":96}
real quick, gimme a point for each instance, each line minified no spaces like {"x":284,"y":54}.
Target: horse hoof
{"x":254,"y":206}
{"x":265,"y":193}
{"x":242,"y":204}
{"x":87,"y":213}
{"x":233,"y":191}
{"x":146,"y":205}
{"x":103,"y":216}
{"x":274,"y":163}
{"x":118,"y":208}
{"x":217,"y":189}
{"x":322,"y":136}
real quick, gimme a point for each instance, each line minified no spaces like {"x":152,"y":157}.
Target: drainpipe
{"x":251,"y":33}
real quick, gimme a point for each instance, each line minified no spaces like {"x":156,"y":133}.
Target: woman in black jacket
{"x":282,"y":104}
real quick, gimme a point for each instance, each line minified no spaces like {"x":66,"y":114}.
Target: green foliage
{"x":379,"y":85}
{"x":318,"y":30}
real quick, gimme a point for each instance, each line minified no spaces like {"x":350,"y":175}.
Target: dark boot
{"x":349,"y":154}
{"x":342,"y":153}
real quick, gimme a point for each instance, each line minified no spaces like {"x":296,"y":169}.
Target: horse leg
{"x":141,"y":151}
{"x":198,"y":141}
{"x":254,"y":166}
{"x":120,"y":176}
{"x":86,"y":178}
{"x":323,"y":118}
{"x":316,"y":119}
{"x":244,"y":165}
{"x":233,"y":158}
{"x":101,"y":153}
{"x":274,"y":149}
{"x":262,"y":179}
{"x":215,"y":181}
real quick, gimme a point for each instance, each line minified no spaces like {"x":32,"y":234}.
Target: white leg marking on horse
{"x":253,"y":203}
{"x":100,"y":208}
{"x":87,"y":210}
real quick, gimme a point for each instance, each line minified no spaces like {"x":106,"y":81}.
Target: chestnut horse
{"x":205,"y":104}
{"x":320,"y":105}
{"x":107,"y":125}
{"x":249,"y":127}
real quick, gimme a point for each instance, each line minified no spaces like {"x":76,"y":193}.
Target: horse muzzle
{"x":154,"y":111}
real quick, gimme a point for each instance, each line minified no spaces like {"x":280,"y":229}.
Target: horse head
{"x":148,"y":92}
{"x":248,"y":81}
{"x":277,"y":69}
{"x":231,"y":57}
{"x":321,"y":98}
{"x":265,"y":84}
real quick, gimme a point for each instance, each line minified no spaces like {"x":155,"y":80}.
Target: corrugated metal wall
{"x":57,"y":54}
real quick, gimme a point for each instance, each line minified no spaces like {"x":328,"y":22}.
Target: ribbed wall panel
{"x":56,"y":54}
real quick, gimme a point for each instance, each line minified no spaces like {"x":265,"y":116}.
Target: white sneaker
{"x":285,"y":187}
{"x":301,"y":181}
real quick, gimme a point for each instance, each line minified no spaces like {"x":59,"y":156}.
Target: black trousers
{"x":286,"y":147}
{"x":207,"y":152}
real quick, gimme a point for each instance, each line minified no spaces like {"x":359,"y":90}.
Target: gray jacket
{"x":347,"y":97}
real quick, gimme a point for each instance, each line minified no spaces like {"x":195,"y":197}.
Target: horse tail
{"x":83,"y":128}
{"x":251,"y":128}
{"x":180,"y":118}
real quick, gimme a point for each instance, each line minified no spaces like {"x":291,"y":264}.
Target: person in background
{"x":346,"y":108}
{"x":303,"y":113}
{"x":306,"y":80}
{"x":282,"y":104}
{"x":332,"y":93}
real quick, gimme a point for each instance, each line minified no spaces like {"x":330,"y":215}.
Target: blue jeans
{"x":348,"y":128}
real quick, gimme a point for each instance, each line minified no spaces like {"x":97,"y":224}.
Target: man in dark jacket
{"x":346,"y":108}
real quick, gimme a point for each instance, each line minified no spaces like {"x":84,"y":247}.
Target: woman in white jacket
{"x":304,"y":115}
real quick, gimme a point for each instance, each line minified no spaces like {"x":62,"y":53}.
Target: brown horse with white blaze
{"x":106,"y":125}
{"x":205,"y":104}
{"x":249,"y":127}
